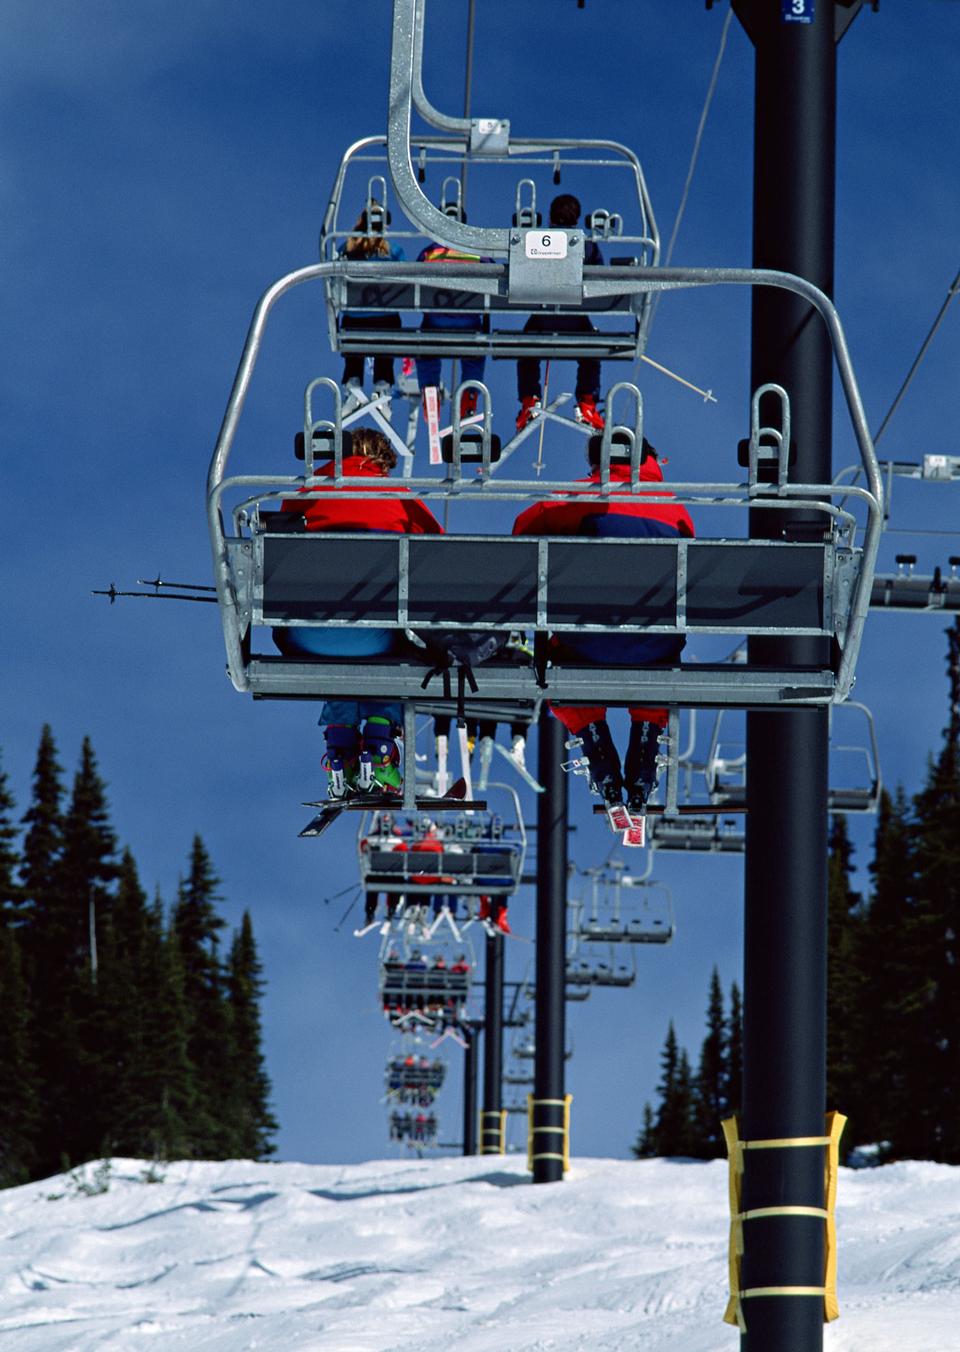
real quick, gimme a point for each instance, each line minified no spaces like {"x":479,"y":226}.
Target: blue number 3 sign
{"x":797,"y":11}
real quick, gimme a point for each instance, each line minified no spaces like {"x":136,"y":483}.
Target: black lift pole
{"x":548,"y":1068}
{"x":491,"y":1129}
{"x":470,"y":1089}
{"x":785,"y":916}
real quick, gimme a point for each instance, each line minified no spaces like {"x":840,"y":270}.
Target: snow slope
{"x":430,"y":1255}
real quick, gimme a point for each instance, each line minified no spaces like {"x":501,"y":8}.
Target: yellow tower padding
{"x":493,"y":1123}
{"x":735,"y":1149}
{"x":564,"y":1152}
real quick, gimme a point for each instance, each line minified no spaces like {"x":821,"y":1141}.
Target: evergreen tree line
{"x":124,"y":1030}
{"x":691,"y":1107}
{"x":893,"y":989}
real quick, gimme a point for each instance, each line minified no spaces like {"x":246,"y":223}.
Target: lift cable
{"x":711,"y":90}
{"x":954,"y":288}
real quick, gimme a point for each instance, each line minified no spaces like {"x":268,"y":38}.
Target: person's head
{"x":367,"y":241}
{"x":619,"y":450}
{"x":374,"y":447}
{"x":565,"y":211}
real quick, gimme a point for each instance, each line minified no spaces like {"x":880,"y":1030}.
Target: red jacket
{"x":405,"y":515}
{"x":559,"y":517}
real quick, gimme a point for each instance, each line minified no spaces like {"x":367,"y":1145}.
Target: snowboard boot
{"x":640,"y":767}
{"x":379,"y":758}
{"x":341,"y":758}
{"x":586,"y":412}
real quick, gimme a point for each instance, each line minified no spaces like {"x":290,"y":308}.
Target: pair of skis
{"x":331,"y":808}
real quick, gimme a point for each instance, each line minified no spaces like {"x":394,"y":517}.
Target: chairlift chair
{"x":269,"y":576}
{"x":625,"y":909}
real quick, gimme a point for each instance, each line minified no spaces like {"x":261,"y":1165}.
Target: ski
{"x":431,"y":408}
{"x":324,"y":819}
{"x":635,"y":835}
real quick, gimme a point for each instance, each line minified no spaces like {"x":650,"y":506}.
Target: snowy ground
{"x":430,"y":1255}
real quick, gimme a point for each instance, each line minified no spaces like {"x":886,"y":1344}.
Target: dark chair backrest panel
{"x":327,"y":577}
{"x":408,"y":865}
{"x":403,"y":296}
{"x":322,"y":577}
{"x":472,"y":581}
{"x":622,"y":584}
{"x":755,"y":585}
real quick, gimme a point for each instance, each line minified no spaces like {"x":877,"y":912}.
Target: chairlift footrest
{"x":683,"y":810}
{"x":367,"y":802}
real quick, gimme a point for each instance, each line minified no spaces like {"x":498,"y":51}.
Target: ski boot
{"x":529,"y":409}
{"x":340,"y":760}
{"x":586,"y":412}
{"x":383,"y":391}
{"x":379,"y":758}
{"x":351,"y":395}
{"x":605,"y":776}
{"x":640,"y":770}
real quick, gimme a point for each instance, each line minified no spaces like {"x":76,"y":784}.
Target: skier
{"x":615,"y":515}
{"x":471,"y":368}
{"x":367,"y":760}
{"x":368,"y":245}
{"x":564,"y":215}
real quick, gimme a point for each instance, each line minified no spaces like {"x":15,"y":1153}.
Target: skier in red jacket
{"x":619,"y":514}
{"x":370,"y":456}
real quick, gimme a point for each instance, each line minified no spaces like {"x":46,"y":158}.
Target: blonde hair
{"x":367,"y":246}
{"x":375,"y":447}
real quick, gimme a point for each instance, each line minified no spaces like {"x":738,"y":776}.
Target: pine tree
{"x":42,"y":845}
{"x":673,"y":1129}
{"x":52,"y":1029}
{"x":196,"y":926}
{"x":844,"y":975}
{"x":81,"y":1069}
{"x":935,"y":1064}
{"x":709,"y":1098}
{"x":885,"y":1024}
{"x":644,"y":1147}
{"x":11,"y":895}
{"x":18,"y":1099}
{"x":733,"y":1054}
{"x":251,"y":1087}
{"x":166,"y":1130}
{"x":87,"y":866}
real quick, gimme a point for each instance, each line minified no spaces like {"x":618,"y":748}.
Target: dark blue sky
{"x":161,"y":165}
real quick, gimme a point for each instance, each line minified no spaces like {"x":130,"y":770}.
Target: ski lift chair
{"x":273,"y":578}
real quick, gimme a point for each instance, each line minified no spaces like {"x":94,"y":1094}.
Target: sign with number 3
{"x":797,"y":11}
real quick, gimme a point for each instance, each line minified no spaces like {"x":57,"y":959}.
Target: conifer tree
{"x":52,"y":1027}
{"x":891,"y":1013}
{"x":251,"y":1087}
{"x":88,"y":865}
{"x":710,"y":1101}
{"x":673,"y":1133}
{"x":733,"y":1053}
{"x":844,"y":975}
{"x":11,"y":896}
{"x":935,"y":1063}
{"x":18,"y":1097}
{"x":196,"y":926}
{"x":42,"y":843}
{"x":168,"y":1093}
{"x":644,"y":1147}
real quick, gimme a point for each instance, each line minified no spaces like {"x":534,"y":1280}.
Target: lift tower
{"x":785,"y":921}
